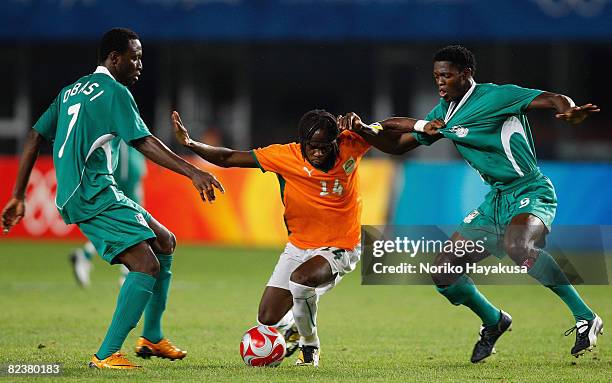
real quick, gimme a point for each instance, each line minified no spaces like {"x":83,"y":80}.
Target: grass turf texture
{"x":369,"y":333}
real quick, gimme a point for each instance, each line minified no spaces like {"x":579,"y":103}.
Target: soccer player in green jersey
{"x":489,"y":127}
{"x":130,"y":170}
{"x":86,"y":122}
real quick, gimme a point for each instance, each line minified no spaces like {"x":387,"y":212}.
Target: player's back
{"x":83,"y":122}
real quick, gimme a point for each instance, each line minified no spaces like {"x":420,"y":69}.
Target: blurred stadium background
{"x":243,"y":72}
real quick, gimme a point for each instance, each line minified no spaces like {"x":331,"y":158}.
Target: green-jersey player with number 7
{"x":85,"y":123}
{"x":488,"y":125}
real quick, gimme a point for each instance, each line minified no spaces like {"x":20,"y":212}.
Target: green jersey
{"x":129,"y":173}
{"x":490,"y":130}
{"x":86,"y":122}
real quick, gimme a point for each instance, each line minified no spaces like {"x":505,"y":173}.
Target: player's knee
{"x":267,"y":317}
{"x":171,"y":242}
{"x":167,"y":243}
{"x":518,"y":250}
{"x":302,"y":278}
{"x":148,"y":265}
{"x":446,"y":271}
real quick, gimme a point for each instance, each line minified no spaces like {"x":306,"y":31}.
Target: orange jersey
{"x":321,"y":208}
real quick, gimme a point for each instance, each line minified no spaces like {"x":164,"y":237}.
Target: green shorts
{"x":533,"y":194}
{"x":122,"y":225}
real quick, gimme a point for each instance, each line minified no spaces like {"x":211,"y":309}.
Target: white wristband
{"x":373,"y":128}
{"x":419,"y":126}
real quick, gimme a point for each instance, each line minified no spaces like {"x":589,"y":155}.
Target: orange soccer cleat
{"x":115,"y":361}
{"x":162,"y":349}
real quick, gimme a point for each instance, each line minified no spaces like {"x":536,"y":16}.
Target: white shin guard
{"x":305,"y":301}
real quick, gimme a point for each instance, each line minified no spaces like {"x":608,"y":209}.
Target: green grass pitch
{"x":368,"y":333}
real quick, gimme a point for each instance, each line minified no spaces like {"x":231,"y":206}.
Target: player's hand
{"x":12,"y":213}
{"x":206,"y":184}
{"x":577,"y":114}
{"x":180,"y":132}
{"x":350,"y":121}
{"x":433,"y":127}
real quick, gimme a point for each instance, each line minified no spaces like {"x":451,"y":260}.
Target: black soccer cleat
{"x":586,"y":335}
{"x":488,"y":336}
{"x":309,"y":356}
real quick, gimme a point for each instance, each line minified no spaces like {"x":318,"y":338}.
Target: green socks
{"x":157,"y":304}
{"x":546,"y":271}
{"x":133,"y":297}
{"x":464,"y":292}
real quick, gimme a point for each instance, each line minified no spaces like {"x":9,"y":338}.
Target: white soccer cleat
{"x":81,"y":267}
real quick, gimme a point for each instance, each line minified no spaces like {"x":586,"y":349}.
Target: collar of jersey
{"x":104,"y":70}
{"x":453,"y":107}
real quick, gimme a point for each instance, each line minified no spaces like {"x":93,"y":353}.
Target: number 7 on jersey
{"x":73,"y":110}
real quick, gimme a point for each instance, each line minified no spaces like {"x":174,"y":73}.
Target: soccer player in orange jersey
{"x":320,"y":190}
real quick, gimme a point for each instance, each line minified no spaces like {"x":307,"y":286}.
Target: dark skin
{"x":525,"y":230}
{"x":275,"y":302}
{"x":126,"y":68}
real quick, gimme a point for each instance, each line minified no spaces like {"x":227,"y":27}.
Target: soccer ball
{"x":262,"y":346}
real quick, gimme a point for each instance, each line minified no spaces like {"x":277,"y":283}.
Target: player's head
{"x":120,"y":51}
{"x":454,"y":67}
{"x":318,"y":133}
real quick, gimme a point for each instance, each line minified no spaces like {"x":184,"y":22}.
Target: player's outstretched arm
{"x":565,"y":107}
{"x":155,"y":150}
{"x":14,"y":210}
{"x":224,"y":157}
{"x":393,"y":135}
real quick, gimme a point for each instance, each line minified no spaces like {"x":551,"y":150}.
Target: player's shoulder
{"x":81,"y":80}
{"x":348,"y":137}
{"x":291,"y":149}
{"x":497,"y":88}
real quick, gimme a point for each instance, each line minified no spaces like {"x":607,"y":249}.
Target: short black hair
{"x":115,"y":40}
{"x":314,"y":120}
{"x":458,"y":55}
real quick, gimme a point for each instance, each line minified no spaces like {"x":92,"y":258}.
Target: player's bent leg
{"x":520,"y":242}
{"x":302,"y":283}
{"x":274,"y":305}
{"x":133,"y":297}
{"x":152,"y":342}
{"x":459,"y":288}
{"x":275,"y":311}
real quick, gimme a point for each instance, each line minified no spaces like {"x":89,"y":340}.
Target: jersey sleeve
{"x":47,"y":123}
{"x":271,"y":158}
{"x":126,"y":118}
{"x":513,"y":99}
{"x":358,"y":145}
{"x":426,"y":139}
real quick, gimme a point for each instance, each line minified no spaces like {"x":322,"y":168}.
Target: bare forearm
{"x":155,"y":150}
{"x":399,"y":124}
{"x":395,"y":137}
{"x":216,"y":155}
{"x":29,"y":155}
{"x":548,"y":100}
{"x":224,"y":157}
